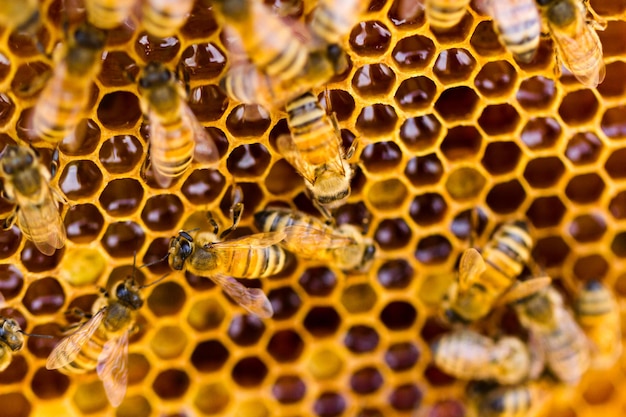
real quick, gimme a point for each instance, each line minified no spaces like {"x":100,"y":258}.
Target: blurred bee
{"x":176,"y":136}
{"x":27,"y":183}
{"x":162,"y":18}
{"x":255,"y":256}
{"x":553,"y":330}
{"x":575,"y":37}
{"x":333,"y":19}
{"x":101,"y":342}
{"x":519,"y":26}
{"x":598,"y":314}
{"x":512,"y":401}
{"x":315,"y":150}
{"x":108,"y":14}
{"x":60,"y":106}
{"x":466,"y":354}
{"x":483,"y":279}
{"x":310,"y":238}
{"x":443,"y":15}
{"x":22,"y":16}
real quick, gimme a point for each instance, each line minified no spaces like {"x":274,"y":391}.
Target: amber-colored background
{"x":447,"y":123}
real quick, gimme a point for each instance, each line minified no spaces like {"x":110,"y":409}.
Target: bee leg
{"x":352,"y":150}
{"x":325,"y":212}
{"x":146,"y":165}
{"x":10,"y":221}
{"x":78,"y":313}
{"x":595,"y":20}
{"x":212,"y":223}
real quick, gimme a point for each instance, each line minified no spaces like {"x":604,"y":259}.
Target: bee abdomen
{"x":87,"y":358}
{"x":108,"y":14}
{"x":163,"y":18}
{"x":444,"y":14}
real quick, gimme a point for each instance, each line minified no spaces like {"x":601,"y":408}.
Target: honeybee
{"x":333,"y":19}
{"x":176,"y":136}
{"x":315,"y":150}
{"x":11,"y":341}
{"x":20,"y":15}
{"x":510,"y":401}
{"x":575,"y":37}
{"x":162,"y":18}
{"x":309,"y":237}
{"x":60,"y":106}
{"x":483,"y":279}
{"x":101,"y":342}
{"x":553,"y":330}
{"x":470,"y":355}
{"x":27,"y":183}
{"x":519,"y":26}
{"x":598,"y":314}
{"x":443,"y":15}
{"x":108,"y":14}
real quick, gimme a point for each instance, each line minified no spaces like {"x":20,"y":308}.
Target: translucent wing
{"x":252,"y":299}
{"x":67,"y":350}
{"x":523,"y":289}
{"x":288,"y":150}
{"x":255,"y":241}
{"x":308,"y":241}
{"x":471,"y":266}
{"x":205,"y":150}
{"x":112,"y":368}
{"x":42,"y":222}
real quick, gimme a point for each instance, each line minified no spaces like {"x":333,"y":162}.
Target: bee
{"x":60,"y":106}
{"x":553,"y":329}
{"x":315,"y":150}
{"x":27,"y":183}
{"x":333,"y":19}
{"x":483,"y":279}
{"x":176,"y":136}
{"x":309,"y":237}
{"x":11,"y":341}
{"x":575,"y":37}
{"x":519,"y":26}
{"x":470,"y":355}
{"x":598,"y":314}
{"x":101,"y":342}
{"x":108,"y":14}
{"x":22,"y":16}
{"x":443,"y":15}
{"x":162,"y":18}
{"x":510,"y":401}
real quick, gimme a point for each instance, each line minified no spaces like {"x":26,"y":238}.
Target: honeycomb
{"x":448,"y":122}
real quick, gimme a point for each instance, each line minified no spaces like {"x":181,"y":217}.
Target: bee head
{"x":369,"y":252}
{"x":16,"y":158}
{"x":155,"y":74}
{"x":11,"y":333}
{"x":453,"y":317}
{"x":181,"y":248}
{"x":89,"y":37}
{"x":127,"y":292}
{"x":593,"y":285}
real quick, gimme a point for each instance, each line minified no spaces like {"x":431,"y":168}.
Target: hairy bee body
{"x":27,"y":183}
{"x":101,"y":342}
{"x":21,"y":15}
{"x":108,"y":14}
{"x":11,"y":341}
{"x":444,"y":14}
{"x":515,"y":401}
{"x":333,"y":19}
{"x":63,"y":100}
{"x":519,"y":26}
{"x":576,"y":40}
{"x":162,"y":18}
{"x":598,"y":314}
{"x":309,"y":237}
{"x":470,"y":355}
{"x":483,"y":279}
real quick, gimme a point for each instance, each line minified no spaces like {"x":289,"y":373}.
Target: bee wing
{"x":67,"y":350}
{"x":310,"y":239}
{"x":471,"y":266}
{"x":288,"y":150}
{"x":255,"y":241}
{"x":112,"y":368}
{"x":522,"y":289}
{"x":205,"y":150}
{"x":253,"y":300}
{"x":42,"y":223}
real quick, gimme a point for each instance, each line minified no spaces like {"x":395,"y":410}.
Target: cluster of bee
{"x":564,"y":342}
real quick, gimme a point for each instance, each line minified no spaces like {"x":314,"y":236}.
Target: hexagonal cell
{"x":424,"y":170}
{"x":208,"y":102}
{"x":457,"y":103}
{"x":536,"y":93}
{"x":453,"y":65}
{"x":464,"y":183}
{"x":392,"y":234}
{"x":120,"y":153}
{"x":325,"y":363}
{"x":282,"y":178}
{"x":322,"y":321}
{"x":168,"y":342}
{"x":16,"y":404}
{"x":44,"y":296}
{"x":401,"y":356}
{"x":583,"y":148}
{"x":506,"y":197}
{"x":541,"y":133}
{"x":501,"y":157}
{"x":406,"y":397}
{"x":376,"y":120}
{"x":36,"y":261}
{"x":203,"y":61}
{"x":416,"y":93}
{"x":432,"y":250}
{"x":285,"y":345}
{"x":201,"y":22}
{"x":246,"y":330}
{"x":329,"y":404}
{"x":5,"y":66}
{"x":614,"y":166}
{"x":381,"y":156}
{"x":550,"y":251}
{"x":370,"y":38}
{"x":203,"y":186}
{"x":613,"y":122}
{"x":395,"y":274}
{"x":252,"y":198}
{"x":134,"y":406}
{"x":421,"y":132}
{"x":152,"y":48}
{"x":544,"y":172}
{"x":248,"y":120}
{"x":585,"y":188}
{"x":428,"y":209}
{"x":249,"y":372}
{"x":498,"y":119}
{"x":166,"y":299}
{"x":119,"y":110}
{"x":123,"y":239}
{"x":80,"y":179}
{"x":358,"y":298}
{"x":288,"y":389}
{"x":485,"y":41}
{"x":461,"y":142}
{"x":162,"y":212}
{"x":610,"y":37}
{"x":614,"y":84}
{"x":398,"y":315}
{"x":366,"y":380}
{"x":578,"y":107}
{"x":589,"y":267}
{"x":318,"y":281}
{"x":373,"y":80}
{"x":83,"y":266}
{"x":468,"y":222}
{"x":413,"y":53}
{"x":9,"y":241}
{"x":7,"y":108}
{"x":83,"y":223}
{"x":387,"y":194}
{"x":138,"y":368}
{"x":171,"y":384}
{"x":30,"y":79}
{"x":341,"y":103}
{"x":495,"y":78}
{"x":617,"y":206}
{"x":85,"y":140}
{"x":361,"y":339}
{"x":406,"y":15}
{"x":587,"y":228}
{"x":15,"y":372}
{"x":209,"y":356}
{"x":546,"y":211}
{"x":249,"y":160}
{"x":116,"y":67}
{"x":436,"y":377}
{"x":41,"y":347}
{"x":447,"y":408}
{"x":121,"y":197}
{"x":618,"y":245}
{"x":11,"y":281}
{"x":285,"y":302}
{"x":600,"y":391}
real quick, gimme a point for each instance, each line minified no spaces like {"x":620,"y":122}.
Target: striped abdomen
{"x":464,"y":354}
{"x":444,"y":14}
{"x":172,"y":144}
{"x":252,"y":262}
{"x":508,"y":402}
{"x":519,"y":25}
{"x":162,"y":18}
{"x":332,"y":20}
{"x":108,"y":14}
{"x":87,"y":358}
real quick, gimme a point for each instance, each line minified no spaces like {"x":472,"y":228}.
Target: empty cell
{"x":203,"y":61}
{"x":285,"y":302}
{"x":162,"y":212}
{"x":209,"y":356}
{"x":587,"y":228}
{"x":495,"y":78}
{"x":282,"y":178}
{"x":498,"y":119}
{"x":453,"y":65}
{"x":457,"y":103}
{"x":550,"y":251}
{"x":358,"y":298}
{"x":249,"y":372}
{"x":322,"y":321}
{"x":361,"y":339}
{"x":398,"y":315}
{"x":247,"y":120}
{"x":583,"y":148}
{"x":246,"y":329}
{"x":585,"y":188}
{"x":392,"y":234}
{"x":252,"y":197}
{"x":370,"y":38}
{"x":416,"y":93}
{"x":413,"y":52}
{"x":372,"y":80}
{"x":381,"y":156}
{"x":376,"y":120}
{"x":285,"y":345}
{"x":447,"y":408}
{"x":428,"y":208}
{"x":544,"y":172}
{"x":536,"y":93}
{"x":501,"y":157}
{"x":434,"y":249}
{"x":506,"y":197}
{"x":401,"y":356}
{"x":153,"y":48}
{"x":420,"y":133}
{"x":600,"y":391}
{"x":121,"y":153}
{"x":546,"y":211}
{"x":121,"y":197}
{"x":288,"y":389}
{"x":319,"y":282}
